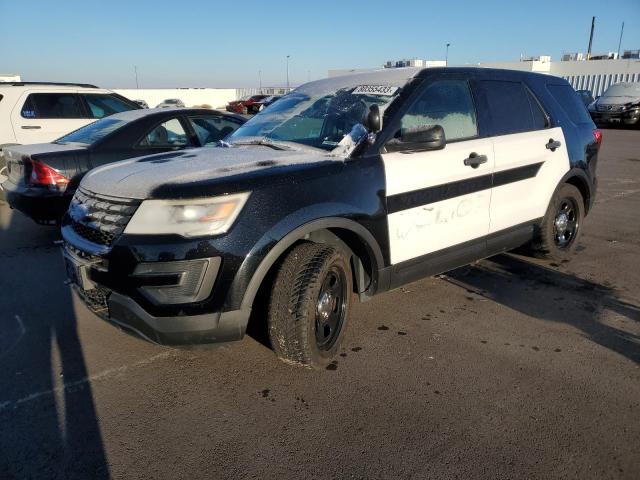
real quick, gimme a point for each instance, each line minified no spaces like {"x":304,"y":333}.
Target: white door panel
{"x":42,"y":130}
{"x":520,"y":201}
{"x":439,"y":212}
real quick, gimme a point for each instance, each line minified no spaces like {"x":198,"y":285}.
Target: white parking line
{"x":91,"y":378}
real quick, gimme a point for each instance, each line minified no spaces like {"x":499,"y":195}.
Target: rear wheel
{"x":561,"y":226}
{"x":309,"y":305}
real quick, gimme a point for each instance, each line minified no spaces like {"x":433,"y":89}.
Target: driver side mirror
{"x":418,"y":139}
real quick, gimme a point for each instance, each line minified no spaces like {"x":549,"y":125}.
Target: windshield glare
{"x":89,"y":134}
{"x":314,"y":119}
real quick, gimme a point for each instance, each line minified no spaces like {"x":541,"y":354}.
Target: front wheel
{"x":561,"y":226}
{"x":309,"y":305}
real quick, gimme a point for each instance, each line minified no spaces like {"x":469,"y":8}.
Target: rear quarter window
{"x":570,"y":102}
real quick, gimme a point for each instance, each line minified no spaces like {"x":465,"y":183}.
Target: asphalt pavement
{"x":509,"y":368}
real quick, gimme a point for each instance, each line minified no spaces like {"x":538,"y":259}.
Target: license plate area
{"x":78,"y":270}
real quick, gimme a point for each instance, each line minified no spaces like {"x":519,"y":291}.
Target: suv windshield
{"x":623,"y":90}
{"x":318,"y":117}
{"x":89,"y":134}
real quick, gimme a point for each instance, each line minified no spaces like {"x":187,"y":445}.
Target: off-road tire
{"x":293,"y":304}
{"x":545,"y":244}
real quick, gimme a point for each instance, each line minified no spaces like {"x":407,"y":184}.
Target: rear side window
{"x":570,"y":103}
{"x":512,"y":107}
{"x":447,"y":103}
{"x":103,"y":105}
{"x":167,"y":134}
{"x":52,"y":105}
{"x":210,"y":129}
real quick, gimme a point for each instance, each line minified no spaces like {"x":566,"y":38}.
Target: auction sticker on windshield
{"x":385,"y":90}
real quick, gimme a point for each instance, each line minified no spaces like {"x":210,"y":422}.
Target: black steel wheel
{"x":309,"y":305}
{"x":558,"y":234}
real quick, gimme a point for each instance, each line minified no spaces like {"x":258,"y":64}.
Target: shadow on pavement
{"x":550,"y":295}
{"x":48,"y":422}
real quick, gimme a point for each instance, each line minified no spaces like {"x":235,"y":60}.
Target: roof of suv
{"x":47,"y":84}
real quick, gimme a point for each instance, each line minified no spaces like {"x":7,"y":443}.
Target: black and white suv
{"x":354,"y":184}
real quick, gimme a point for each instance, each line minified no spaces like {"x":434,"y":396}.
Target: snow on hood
{"x":621,"y":93}
{"x":618,"y":100}
{"x":139,"y":177}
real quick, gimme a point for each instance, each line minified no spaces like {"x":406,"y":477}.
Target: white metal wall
{"x":598,"y":83}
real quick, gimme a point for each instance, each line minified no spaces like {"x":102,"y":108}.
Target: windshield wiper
{"x":266,"y":143}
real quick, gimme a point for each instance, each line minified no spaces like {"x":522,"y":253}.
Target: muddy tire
{"x":309,"y":305}
{"x":560,"y":229}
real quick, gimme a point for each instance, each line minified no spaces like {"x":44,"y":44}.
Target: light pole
{"x":620,"y":42}
{"x":135,"y":69}
{"x":260,"y":76}
{"x":446,"y":56}
{"x":288,"y":56}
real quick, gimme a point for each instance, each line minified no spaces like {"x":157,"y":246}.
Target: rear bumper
{"x":37,"y":203}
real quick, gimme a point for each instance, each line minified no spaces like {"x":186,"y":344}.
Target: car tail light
{"x":597,"y":136}
{"x":42,"y":174}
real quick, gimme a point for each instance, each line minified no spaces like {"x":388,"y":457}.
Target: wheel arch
{"x":579,"y":179}
{"x":366,"y":255}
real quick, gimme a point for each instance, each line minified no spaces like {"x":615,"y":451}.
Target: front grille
{"x":99,"y":219}
{"x":97,"y":299}
{"x":610,"y":108}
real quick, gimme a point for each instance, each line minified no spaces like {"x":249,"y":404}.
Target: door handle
{"x":552,"y":144}
{"x":474,"y":160}
{"x":30,"y":127}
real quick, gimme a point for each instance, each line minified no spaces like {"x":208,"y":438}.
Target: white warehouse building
{"x":594,"y":75}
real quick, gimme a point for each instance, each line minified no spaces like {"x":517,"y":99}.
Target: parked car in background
{"x":618,"y":105}
{"x":141,"y":103}
{"x":247,"y":104}
{"x":43,"y":177}
{"x":586,"y":96}
{"x":171,"y":103}
{"x":264,"y":103}
{"x":37,"y":112}
{"x":346,"y":187}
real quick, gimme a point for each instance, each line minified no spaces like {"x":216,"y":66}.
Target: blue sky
{"x":225,"y":44}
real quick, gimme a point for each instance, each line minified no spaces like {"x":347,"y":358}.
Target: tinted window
{"x":510,"y":107}
{"x":93,"y":132}
{"x":213,"y":128}
{"x":52,"y":105}
{"x":570,"y":103}
{"x":447,"y":103}
{"x":539,"y":117}
{"x":103,"y":105}
{"x":167,"y":134}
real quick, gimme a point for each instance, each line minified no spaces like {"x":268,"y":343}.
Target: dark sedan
{"x":43,"y":177}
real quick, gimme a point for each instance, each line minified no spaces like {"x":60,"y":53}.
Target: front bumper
{"x":181,"y":330}
{"x":40,"y":204}
{"x":628,"y":117}
{"x":168,"y":291}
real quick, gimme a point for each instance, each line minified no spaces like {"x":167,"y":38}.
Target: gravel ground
{"x":509,"y":368}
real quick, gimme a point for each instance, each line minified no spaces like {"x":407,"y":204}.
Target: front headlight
{"x":592,"y":107}
{"x":189,"y":218}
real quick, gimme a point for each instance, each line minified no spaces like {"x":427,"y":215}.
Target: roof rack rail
{"x":62,"y":84}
